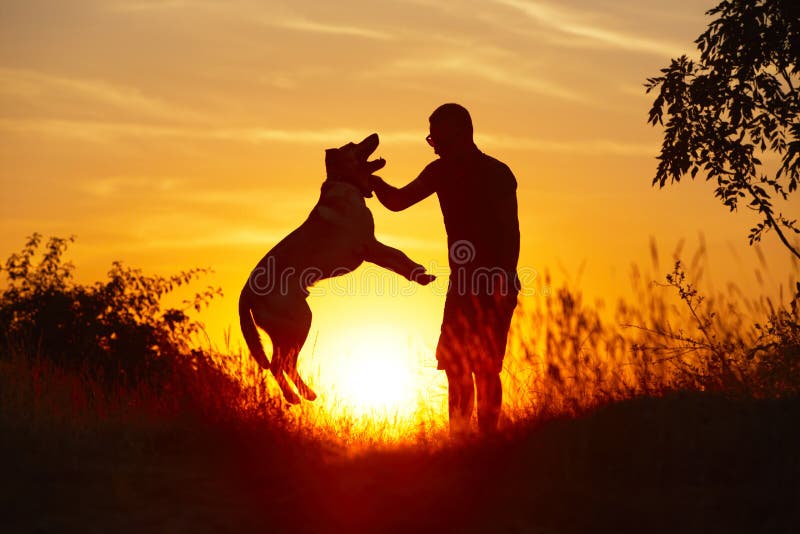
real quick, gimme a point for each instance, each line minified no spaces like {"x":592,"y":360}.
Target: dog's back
{"x":330,"y":242}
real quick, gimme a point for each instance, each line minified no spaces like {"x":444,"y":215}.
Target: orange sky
{"x":179,"y":133}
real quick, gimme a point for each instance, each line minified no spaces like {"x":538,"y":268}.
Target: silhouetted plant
{"x":715,"y":349}
{"x":115,"y":328}
{"x":777,"y":351}
{"x":669,"y":337}
{"x":740,"y":101}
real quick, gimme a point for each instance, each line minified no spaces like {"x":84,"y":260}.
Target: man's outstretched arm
{"x":396,"y":199}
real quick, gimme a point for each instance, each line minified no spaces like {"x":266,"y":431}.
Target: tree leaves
{"x":741,"y":99}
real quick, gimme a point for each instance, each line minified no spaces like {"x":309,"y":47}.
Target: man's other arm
{"x":395,"y":199}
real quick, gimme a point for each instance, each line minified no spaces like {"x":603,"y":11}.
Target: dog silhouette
{"x":337,"y":237}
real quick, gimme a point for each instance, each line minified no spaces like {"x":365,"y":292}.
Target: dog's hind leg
{"x":301,"y":334}
{"x":287,"y":358}
{"x":287,"y":341}
{"x":302,"y":387}
{"x":281,"y":362}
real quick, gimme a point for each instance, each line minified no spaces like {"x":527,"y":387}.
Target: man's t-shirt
{"x":477,"y":195}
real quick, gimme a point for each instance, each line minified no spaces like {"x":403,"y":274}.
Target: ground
{"x":681,"y":463}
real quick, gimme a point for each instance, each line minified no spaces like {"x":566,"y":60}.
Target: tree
{"x":737,"y":104}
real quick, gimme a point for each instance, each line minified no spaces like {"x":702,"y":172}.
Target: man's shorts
{"x":475,"y":330}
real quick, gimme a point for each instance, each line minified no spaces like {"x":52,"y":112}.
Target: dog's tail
{"x":250,"y":332}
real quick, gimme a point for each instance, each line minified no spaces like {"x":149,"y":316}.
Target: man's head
{"x":349,"y":163}
{"x":450,"y":130}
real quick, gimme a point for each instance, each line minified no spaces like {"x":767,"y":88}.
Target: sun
{"x":371,"y":373}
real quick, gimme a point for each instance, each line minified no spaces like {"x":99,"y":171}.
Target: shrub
{"x":116,"y":329}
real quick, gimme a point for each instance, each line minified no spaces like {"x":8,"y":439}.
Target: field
{"x":666,"y":416}
{"x":679,"y":463}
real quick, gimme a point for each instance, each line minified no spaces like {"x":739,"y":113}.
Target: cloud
{"x":39,"y":86}
{"x":565,"y":22}
{"x":306,"y":25}
{"x":492,"y":72}
{"x":92,"y":131}
{"x":105,"y":132}
{"x":127,"y":6}
{"x":578,"y":146}
{"x":117,"y":185}
{"x":253,"y":12}
{"x":332,"y":137}
{"x":226,"y":238}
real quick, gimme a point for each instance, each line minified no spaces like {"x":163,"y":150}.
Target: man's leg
{"x":460,"y":400}
{"x":490,"y":400}
{"x":497,"y":321}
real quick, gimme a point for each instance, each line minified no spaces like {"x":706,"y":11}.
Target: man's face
{"x":444,"y":138}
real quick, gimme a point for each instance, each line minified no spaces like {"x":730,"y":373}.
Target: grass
{"x":676,"y":414}
{"x":681,"y":462}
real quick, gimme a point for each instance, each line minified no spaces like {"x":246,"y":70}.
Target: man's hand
{"x":374,"y":182}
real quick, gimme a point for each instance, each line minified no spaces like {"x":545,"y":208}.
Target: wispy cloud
{"x":107,"y":131}
{"x":157,"y":5}
{"x":577,"y":146}
{"x":270,"y":15}
{"x":484,"y":70}
{"x":228,"y":238}
{"x":332,"y":137}
{"x":115,"y":185}
{"x":563,"y":21}
{"x":39,"y":86}
{"x":104,"y":132}
{"x":306,"y":25}
{"x":180,"y":192}
{"x":91,"y":131}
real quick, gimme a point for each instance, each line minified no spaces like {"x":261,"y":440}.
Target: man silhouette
{"x":477,"y":195}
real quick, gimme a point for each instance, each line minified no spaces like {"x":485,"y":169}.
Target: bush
{"x":115,"y":329}
{"x":670,"y":337}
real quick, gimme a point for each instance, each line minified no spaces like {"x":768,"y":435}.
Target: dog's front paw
{"x":424,"y":279}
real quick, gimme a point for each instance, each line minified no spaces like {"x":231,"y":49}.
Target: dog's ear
{"x":330,"y":154}
{"x":368,"y":145}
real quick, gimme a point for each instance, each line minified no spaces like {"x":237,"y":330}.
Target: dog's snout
{"x":375,"y":164}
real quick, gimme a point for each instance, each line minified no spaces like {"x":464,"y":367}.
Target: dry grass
{"x":666,"y":413}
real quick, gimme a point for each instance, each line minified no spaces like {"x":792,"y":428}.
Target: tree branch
{"x":770,"y":219}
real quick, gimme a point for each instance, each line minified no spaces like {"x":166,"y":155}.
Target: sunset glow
{"x":373,"y":372}
{"x":376,"y":380}
{"x":179,"y":134}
